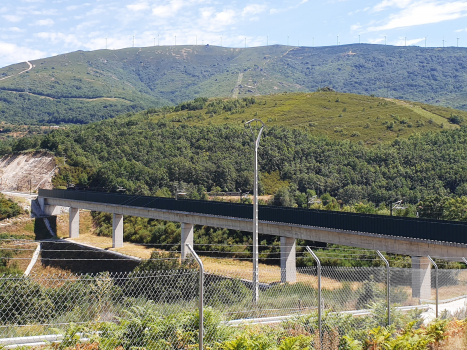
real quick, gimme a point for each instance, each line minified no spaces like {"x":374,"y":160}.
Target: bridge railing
{"x":429,"y":229}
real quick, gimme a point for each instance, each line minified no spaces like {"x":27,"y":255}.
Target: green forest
{"x":149,"y":155}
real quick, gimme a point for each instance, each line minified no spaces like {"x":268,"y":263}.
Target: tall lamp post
{"x":254,"y":124}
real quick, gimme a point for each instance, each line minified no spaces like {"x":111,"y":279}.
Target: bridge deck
{"x":414,"y":228}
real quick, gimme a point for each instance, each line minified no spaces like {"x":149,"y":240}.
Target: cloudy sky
{"x":31,"y":29}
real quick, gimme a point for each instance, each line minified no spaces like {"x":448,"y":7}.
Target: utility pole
{"x":425,"y":42}
{"x":196,"y":40}
{"x":154,"y":41}
{"x":405,"y":41}
{"x":457,"y":42}
{"x":359,"y":38}
{"x":175,"y":40}
{"x":338,"y":40}
{"x":133,"y":41}
{"x":106,"y":43}
{"x":158,"y":41}
{"x":255,"y":207}
{"x":221,"y":41}
{"x":385,"y":40}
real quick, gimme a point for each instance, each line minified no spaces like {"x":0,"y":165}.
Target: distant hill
{"x":81,"y":87}
{"x":338,"y":116}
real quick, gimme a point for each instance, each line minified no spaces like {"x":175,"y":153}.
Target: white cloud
{"x":213,"y":21}
{"x":12,"y":18}
{"x":376,"y":41}
{"x":44,"y":22}
{"x":72,"y":8}
{"x":168,"y":10}
{"x":392,"y":3}
{"x":402,"y":42}
{"x":3,"y":9}
{"x":67,"y":39}
{"x":138,"y":6}
{"x":253,"y":9}
{"x":355,"y":26}
{"x":15,"y":30}
{"x":12,"y":53}
{"x":422,"y":12}
{"x":274,"y":11}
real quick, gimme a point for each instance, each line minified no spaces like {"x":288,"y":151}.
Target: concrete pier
{"x":117,"y":230}
{"x":73,"y":223}
{"x":187,"y":238}
{"x":288,"y":266}
{"x":421,"y":277}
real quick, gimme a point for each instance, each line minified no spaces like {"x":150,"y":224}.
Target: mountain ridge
{"x":167,"y":75}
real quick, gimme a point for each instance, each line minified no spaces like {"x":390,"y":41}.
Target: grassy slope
{"x":336,"y":115}
{"x":104,"y":83}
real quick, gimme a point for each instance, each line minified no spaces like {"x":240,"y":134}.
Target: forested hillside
{"x":149,"y":157}
{"x":81,"y":87}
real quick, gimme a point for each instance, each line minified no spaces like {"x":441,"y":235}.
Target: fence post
{"x":201,"y":293}
{"x":388,"y":280}
{"x":436,"y":283}
{"x":318,"y":265}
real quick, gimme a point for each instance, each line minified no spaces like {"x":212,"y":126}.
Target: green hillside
{"x":336,"y":115}
{"x":151,"y":151}
{"x":80,"y":87}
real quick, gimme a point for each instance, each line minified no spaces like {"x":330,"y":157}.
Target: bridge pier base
{"x":117,"y":230}
{"x":288,"y":266}
{"x":73,"y":223}
{"x":187,"y":238}
{"x":421,"y":277}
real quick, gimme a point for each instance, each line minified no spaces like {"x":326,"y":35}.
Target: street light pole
{"x":256,"y":122}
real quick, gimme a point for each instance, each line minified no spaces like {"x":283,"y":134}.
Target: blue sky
{"x":31,"y":29}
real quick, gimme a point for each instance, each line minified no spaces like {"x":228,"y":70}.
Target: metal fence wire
{"x":160,"y":309}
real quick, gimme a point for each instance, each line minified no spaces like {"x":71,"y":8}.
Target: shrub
{"x":226,"y":292}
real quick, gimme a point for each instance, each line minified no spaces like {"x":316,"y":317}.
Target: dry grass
{"x":23,"y":251}
{"x":456,"y":336}
{"x":21,"y":226}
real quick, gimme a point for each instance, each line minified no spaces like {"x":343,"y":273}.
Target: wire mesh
{"x":158,"y":308}
{"x":132,"y":309}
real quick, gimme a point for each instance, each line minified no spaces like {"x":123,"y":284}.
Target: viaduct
{"x":415,"y":237}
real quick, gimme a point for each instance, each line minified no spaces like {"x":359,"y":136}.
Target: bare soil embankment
{"x":25,"y":172}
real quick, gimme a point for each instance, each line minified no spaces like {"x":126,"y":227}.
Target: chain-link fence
{"x":159,"y":309}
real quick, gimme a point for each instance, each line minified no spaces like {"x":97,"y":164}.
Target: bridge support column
{"x":421,"y":277}
{"x":73,"y":223}
{"x":41,"y":201}
{"x":288,"y":266}
{"x":187,"y":237}
{"x":117,"y":231}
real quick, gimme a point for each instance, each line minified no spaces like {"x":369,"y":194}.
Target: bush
{"x":456,"y":119}
{"x":163,"y":278}
{"x":226,"y":292}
